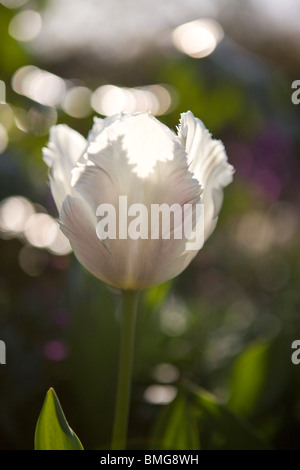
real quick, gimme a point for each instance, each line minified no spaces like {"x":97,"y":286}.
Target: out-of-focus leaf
{"x":259,"y":376}
{"x":220,"y":428}
{"x":176,"y":428}
{"x":248,"y":378}
{"x":156,"y":295}
{"x":52,"y":430}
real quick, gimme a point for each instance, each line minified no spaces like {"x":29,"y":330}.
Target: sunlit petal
{"x":135,"y":168}
{"x":65,"y":148}
{"x":208,"y":162}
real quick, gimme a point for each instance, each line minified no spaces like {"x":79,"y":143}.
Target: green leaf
{"x":248,"y":378}
{"x":155,"y":296}
{"x":52,"y":430}
{"x":259,"y":377}
{"x":220,"y":428}
{"x":176,"y":428}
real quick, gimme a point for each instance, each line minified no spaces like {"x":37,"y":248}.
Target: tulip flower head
{"x":136,"y":200}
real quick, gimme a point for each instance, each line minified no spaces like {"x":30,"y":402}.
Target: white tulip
{"x":136,"y":156}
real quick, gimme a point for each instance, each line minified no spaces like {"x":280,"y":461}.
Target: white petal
{"x":108,"y":175}
{"x":105,"y":176}
{"x":79,"y":225}
{"x":145,"y":139}
{"x":208,"y":162}
{"x":65,"y":148}
{"x":100,"y":124}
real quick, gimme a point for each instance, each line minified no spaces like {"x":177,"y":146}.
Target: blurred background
{"x":213,"y":364}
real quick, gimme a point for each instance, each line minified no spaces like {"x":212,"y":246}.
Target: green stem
{"x":128,"y":320}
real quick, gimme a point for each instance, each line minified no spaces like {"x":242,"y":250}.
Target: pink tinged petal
{"x":65,"y":148}
{"x":208,"y":162}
